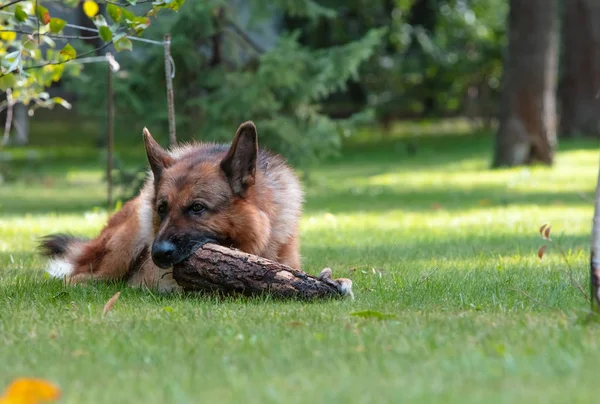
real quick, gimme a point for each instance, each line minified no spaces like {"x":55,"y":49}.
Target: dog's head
{"x":198,"y":193}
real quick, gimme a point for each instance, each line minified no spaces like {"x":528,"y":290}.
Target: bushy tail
{"x":61,"y":250}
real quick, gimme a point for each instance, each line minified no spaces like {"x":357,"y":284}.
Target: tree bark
{"x":21,"y":124}
{"x":580,"y":104}
{"x":595,"y":253}
{"x":527,"y":130}
{"x":215,"y":268}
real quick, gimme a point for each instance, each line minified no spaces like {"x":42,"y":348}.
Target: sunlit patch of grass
{"x":442,"y":250}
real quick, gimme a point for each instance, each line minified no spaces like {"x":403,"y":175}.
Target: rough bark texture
{"x":595,"y":253}
{"x":527,"y":130}
{"x":214,"y":268}
{"x":580,"y":104}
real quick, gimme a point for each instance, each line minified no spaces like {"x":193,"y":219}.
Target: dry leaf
{"x":436,"y":206}
{"x":547,"y":233}
{"x":30,"y":391}
{"x":111,"y":302}
{"x":541,"y":251}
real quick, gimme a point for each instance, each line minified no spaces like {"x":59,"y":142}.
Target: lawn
{"x":442,"y":250}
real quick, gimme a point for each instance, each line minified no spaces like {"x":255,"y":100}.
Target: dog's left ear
{"x":239,"y":165}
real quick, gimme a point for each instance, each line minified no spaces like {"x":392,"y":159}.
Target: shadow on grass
{"x":452,"y":249}
{"x":382,"y":199}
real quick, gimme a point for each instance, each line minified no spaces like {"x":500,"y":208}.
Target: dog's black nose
{"x":162,"y":253}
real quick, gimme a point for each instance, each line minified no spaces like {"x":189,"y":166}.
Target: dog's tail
{"x":62,"y":251}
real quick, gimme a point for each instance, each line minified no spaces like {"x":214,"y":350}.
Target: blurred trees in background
{"x":309,"y":71}
{"x":527,"y":131}
{"x":579,"y":95}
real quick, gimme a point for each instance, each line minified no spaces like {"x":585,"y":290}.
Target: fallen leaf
{"x":436,"y":206}
{"x":541,"y":251}
{"x":30,"y":391}
{"x":110,"y":303}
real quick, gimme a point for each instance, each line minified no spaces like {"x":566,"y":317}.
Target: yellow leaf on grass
{"x":30,"y":391}
{"x":90,"y":8}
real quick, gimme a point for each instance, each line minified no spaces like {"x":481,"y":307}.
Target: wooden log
{"x":214,"y":268}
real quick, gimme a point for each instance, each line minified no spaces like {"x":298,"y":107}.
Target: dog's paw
{"x":167,"y":284}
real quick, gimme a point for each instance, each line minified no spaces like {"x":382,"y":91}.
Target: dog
{"x":238,"y":195}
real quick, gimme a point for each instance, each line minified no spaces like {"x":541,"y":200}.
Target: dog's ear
{"x":158,"y":157}
{"x":239,"y":165}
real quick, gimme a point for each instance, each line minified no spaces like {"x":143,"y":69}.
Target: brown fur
{"x":251,"y":199}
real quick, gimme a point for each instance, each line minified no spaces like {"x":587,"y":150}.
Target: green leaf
{"x":7,"y":81}
{"x":100,"y":21}
{"x":128,"y":15}
{"x":61,"y":101}
{"x":132,"y":2}
{"x":139,"y":24}
{"x":373,"y":314}
{"x":105,"y":34}
{"x":68,"y":52}
{"x":42,"y":14}
{"x":56,"y":25}
{"x":57,"y":72}
{"x":114,"y":12}
{"x":123,"y":44}
{"x":176,"y":4}
{"x":20,"y":14}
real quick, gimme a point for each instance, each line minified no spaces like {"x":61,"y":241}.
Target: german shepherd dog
{"x":240,"y":196}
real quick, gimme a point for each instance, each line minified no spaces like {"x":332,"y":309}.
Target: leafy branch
{"x":11,"y":3}
{"x":55,"y":36}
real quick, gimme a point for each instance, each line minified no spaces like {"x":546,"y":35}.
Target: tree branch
{"x":65,"y":61}
{"x":10,"y":3}
{"x":107,"y":44}
{"x":57,"y":36}
{"x":116,"y":3}
{"x":242,"y":34}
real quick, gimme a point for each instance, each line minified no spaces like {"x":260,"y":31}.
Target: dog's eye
{"x":162,"y":209}
{"x":197,"y":208}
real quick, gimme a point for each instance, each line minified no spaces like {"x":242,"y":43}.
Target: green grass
{"x":443,"y":247}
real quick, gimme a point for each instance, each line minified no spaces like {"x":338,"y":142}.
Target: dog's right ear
{"x":158,"y":157}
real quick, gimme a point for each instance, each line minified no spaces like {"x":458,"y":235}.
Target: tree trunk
{"x":214,"y":268}
{"x":527,"y":130}
{"x":21,"y":124}
{"x":580,"y":104}
{"x":595,"y":253}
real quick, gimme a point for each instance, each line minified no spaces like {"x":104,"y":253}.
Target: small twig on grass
{"x":426,"y":277}
{"x":545,"y":233}
{"x":531,"y":297}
